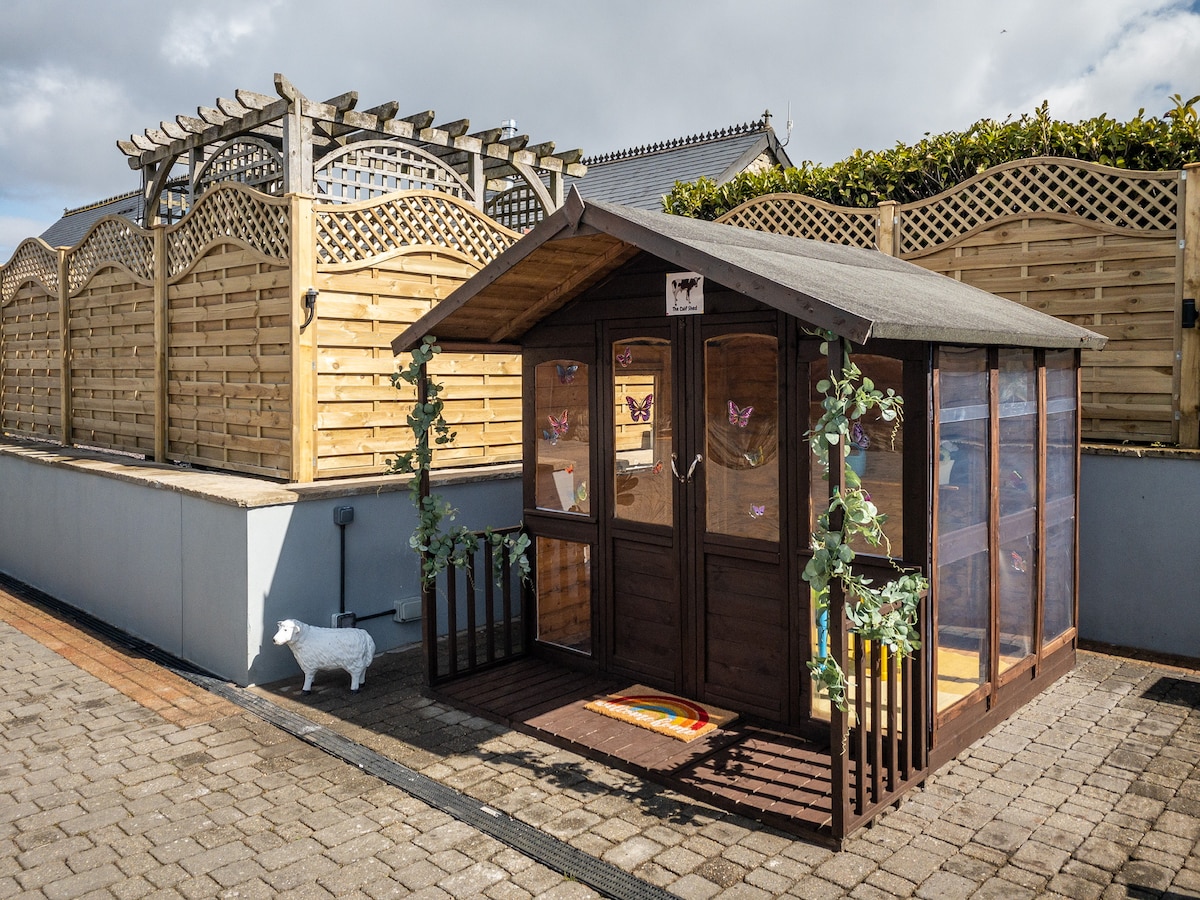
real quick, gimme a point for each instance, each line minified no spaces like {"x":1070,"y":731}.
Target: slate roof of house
{"x":639,"y":177}
{"x":74,"y":224}
{"x":859,"y":294}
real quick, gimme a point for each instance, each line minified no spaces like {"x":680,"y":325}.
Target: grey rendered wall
{"x":109,"y":547}
{"x":294,"y":553}
{"x":1139,"y":549}
{"x":207,"y":579}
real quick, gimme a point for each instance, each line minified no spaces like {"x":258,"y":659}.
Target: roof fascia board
{"x":749,"y":155}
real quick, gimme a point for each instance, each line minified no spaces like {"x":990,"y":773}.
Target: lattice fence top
{"x":355,"y":233}
{"x":246,"y":160}
{"x":370,"y":169}
{"x":517,"y":208}
{"x":806,"y":217}
{"x":112,"y":241}
{"x":230,"y":212}
{"x":1139,"y":201}
{"x":34,"y":260}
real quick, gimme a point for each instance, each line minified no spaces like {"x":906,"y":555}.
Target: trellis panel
{"x":229,"y":363}
{"x":111,"y":334}
{"x":807,"y":217}
{"x":31,"y":363}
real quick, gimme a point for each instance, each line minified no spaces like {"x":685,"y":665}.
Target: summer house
{"x":670,"y":371}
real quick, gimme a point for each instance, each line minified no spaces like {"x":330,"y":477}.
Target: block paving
{"x":118,"y":779}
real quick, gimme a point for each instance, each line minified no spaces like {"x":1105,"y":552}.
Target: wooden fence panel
{"x":380,"y":266}
{"x":1119,"y":285}
{"x":112,"y":372}
{"x":229,"y":363}
{"x":31,"y":363}
{"x":1097,"y":246}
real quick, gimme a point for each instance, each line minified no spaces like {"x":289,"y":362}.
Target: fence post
{"x":64,"y":335}
{"x":161,"y":337}
{"x":1189,"y":360}
{"x":303,"y":275}
{"x":885,"y":240}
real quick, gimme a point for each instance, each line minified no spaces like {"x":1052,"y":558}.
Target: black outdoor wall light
{"x":310,"y":306}
{"x":1189,"y":312}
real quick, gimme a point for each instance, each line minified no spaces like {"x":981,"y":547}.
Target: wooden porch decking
{"x":780,"y":779}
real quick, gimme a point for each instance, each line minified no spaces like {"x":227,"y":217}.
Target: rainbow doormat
{"x":684,"y":720}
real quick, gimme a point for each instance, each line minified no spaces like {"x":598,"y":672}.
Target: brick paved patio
{"x":116,"y":784}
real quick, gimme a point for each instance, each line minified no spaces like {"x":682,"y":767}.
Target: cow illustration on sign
{"x":685,"y":294}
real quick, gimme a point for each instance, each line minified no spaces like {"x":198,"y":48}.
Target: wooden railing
{"x":887,"y":738}
{"x":473,"y":620}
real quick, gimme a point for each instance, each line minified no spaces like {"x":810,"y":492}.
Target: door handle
{"x":685,"y":479}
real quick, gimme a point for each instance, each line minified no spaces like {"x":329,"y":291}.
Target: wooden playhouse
{"x":669,"y":379}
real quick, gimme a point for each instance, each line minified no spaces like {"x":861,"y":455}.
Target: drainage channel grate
{"x":601,"y":876}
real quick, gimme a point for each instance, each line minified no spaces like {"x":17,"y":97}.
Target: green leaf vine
{"x":885,"y":616}
{"x":441,"y":546}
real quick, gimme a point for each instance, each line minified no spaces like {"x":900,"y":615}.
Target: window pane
{"x":563,"y":445}
{"x":741,"y":445}
{"x":564,"y":594}
{"x":1059,"y":609}
{"x":877,"y":454}
{"x":1018,"y":504}
{"x":961,"y":589}
{"x":642,"y":430}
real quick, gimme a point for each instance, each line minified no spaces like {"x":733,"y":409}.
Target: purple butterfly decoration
{"x":566,"y":374}
{"x":558,"y":425}
{"x":640,"y":412}
{"x":1018,"y":561}
{"x":757,"y":511}
{"x":626,"y":358}
{"x":858,"y":436}
{"x":739,"y":416}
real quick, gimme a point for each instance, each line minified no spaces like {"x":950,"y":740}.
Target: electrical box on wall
{"x":408,"y":610}
{"x":343,"y":515}
{"x":343,"y":620}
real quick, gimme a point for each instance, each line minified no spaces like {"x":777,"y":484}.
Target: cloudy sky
{"x":76,"y":76}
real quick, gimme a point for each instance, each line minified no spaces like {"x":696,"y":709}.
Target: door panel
{"x":645,"y":611}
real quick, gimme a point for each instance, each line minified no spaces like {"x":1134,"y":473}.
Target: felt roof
{"x":859,"y":294}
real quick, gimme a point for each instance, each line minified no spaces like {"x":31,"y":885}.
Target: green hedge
{"x":936,"y":163}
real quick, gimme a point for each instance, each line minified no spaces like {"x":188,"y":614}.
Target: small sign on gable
{"x":685,"y":294}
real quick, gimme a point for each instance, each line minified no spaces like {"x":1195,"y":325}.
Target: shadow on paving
{"x":394,"y":715}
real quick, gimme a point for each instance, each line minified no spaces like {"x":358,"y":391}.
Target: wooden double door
{"x":697,"y":587}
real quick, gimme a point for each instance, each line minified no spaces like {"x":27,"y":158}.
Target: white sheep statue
{"x":318,"y":649}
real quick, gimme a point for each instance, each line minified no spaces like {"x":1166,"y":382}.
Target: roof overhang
{"x":858,"y":294}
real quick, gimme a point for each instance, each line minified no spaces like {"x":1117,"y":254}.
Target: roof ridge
{"x":760,"y":124}
{"x":179,"y":179}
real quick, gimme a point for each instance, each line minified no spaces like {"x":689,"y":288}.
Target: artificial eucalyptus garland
{"x":885,"y":616}
{"x":456,"y":545}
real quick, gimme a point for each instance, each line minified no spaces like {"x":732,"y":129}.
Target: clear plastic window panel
{"x":875,"y":453}
{"x":563,"y":482}
{"x":961,"y":589}
{"x":1061,"y":400}
{"x":642,"y":438}
{"x":741,"y":427}
{"x":1017,"y":566}
{"x":564,"y":594}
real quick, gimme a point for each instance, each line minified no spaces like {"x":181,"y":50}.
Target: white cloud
{"x":198,"y":37}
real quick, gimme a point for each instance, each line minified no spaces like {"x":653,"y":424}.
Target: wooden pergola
{"x":289,"y":144}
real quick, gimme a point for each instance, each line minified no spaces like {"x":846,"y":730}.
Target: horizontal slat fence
{"x":1100,"y":247}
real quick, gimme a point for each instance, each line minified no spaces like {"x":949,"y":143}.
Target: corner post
{"x":429,"y":625}
{"x":64,"y":333}
{"x":839,"y":720}
{"x":303,"y":275}
{"x":1189,"y":351}
{"x":161,"y":337}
